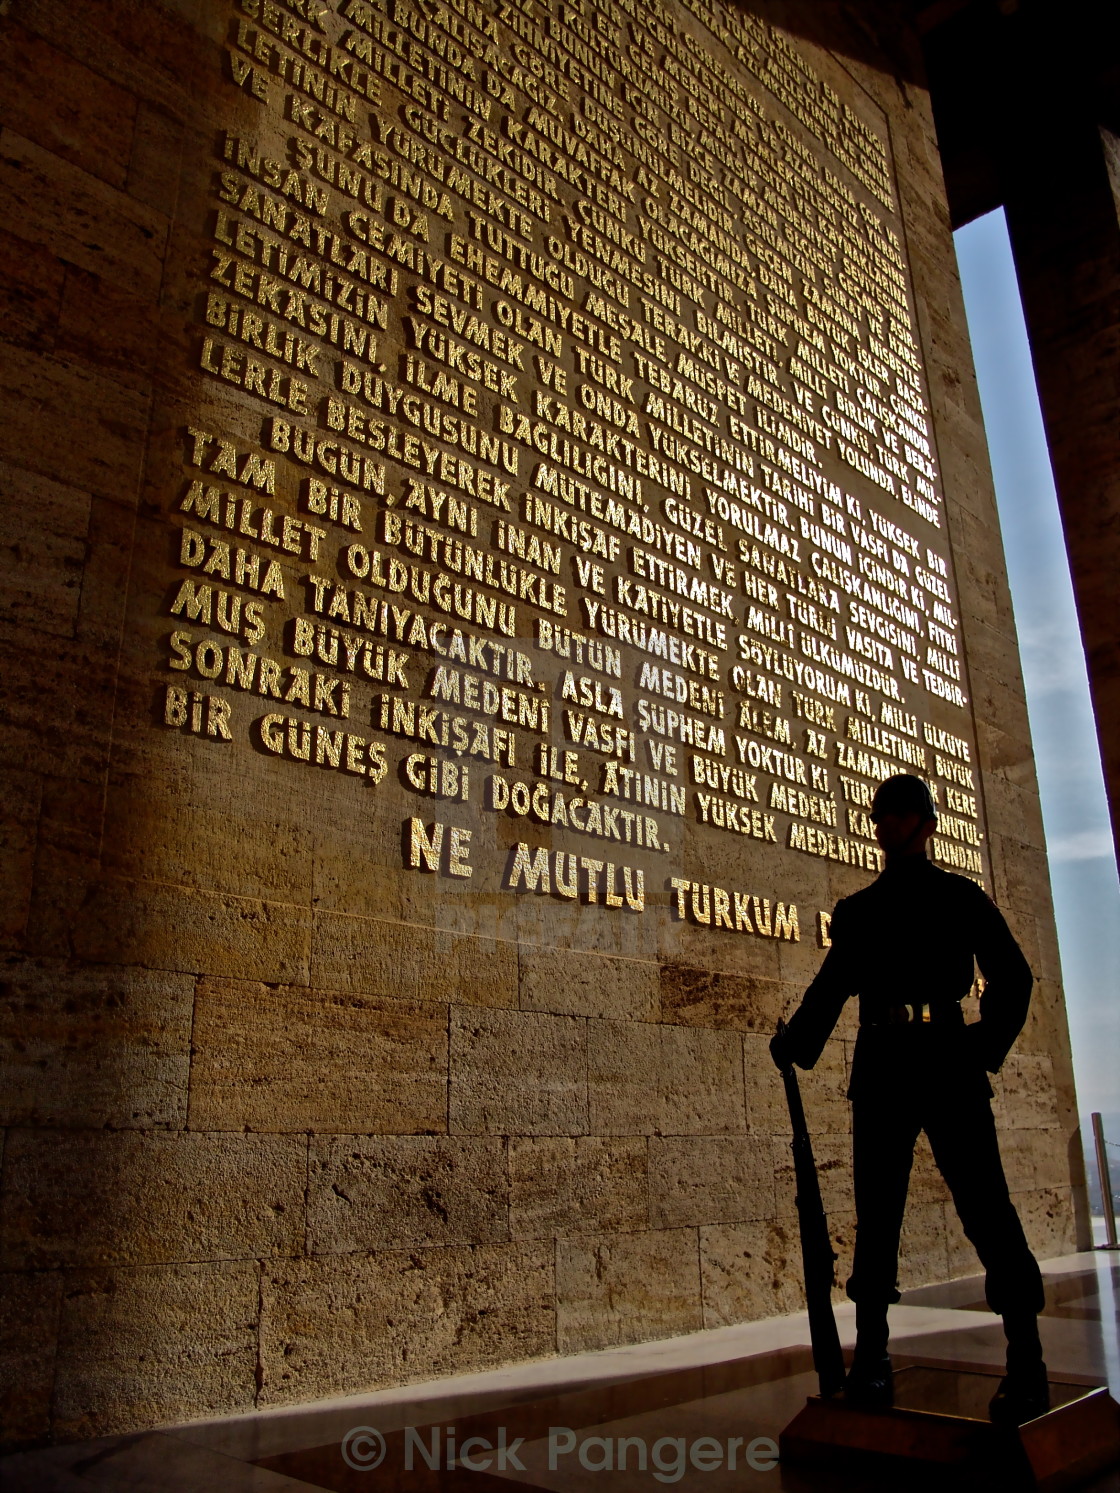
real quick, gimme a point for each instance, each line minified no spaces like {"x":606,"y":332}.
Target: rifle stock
{"x":817,"y":1255}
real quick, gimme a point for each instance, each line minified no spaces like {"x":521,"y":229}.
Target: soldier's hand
{"x":780,"y":1049}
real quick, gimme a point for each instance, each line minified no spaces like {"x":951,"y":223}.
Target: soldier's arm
{"x":811,"y":1025}
{"x":1007,"y":984}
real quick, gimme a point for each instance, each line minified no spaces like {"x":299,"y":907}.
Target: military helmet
{"x":903,"y":794}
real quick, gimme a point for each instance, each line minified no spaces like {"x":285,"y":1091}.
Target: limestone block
{"x":343,"y":1323}
{"x":833,"y":1155}
{"x":266,"y":824}
{"x":1020,"y":877}
{"x":702,"y":1082}
{"x":665,"y":1081}
{"x":65,"y":866}
{"x":283,"y":1059}
{"x":104,"y":588}
{"x":43,"y":531}
{"x":709,"y":1179}
{"x":1035,"y":1159}
{"x":626,"y":1288}
{"x":1025,"y":1097}
{"x":161,"y":1343}
{"x":1003,"y":733}
{"x":799,"y":962}
{"x":824,"y":1093}
{"x":576,"y":983}
{"x":561,"y":1185}
{"x":1047,"y":964}
{"x":978,"y":548}
{"x":923,"y":1254}
{"x":56,"y":694}
{"x":243,"y":855}
{"x":366,"y":1192}
{"x":69,"y":824}
{"x":926,"y":1183}
{"x":496,"y":912}
{"x":1003,"y":742}
{"x":751,"y":1270}
{"x":82,"y":117}
{"x":1048,"y":1220}
{"x":20,"y":800}
{"x":1045,"y":1029}
{"x":99,"y":1046}
{"x":31,"y":281}
{"x":690,"y":945}
{"x":517,"y":1073}
{"x":29,"y":1306}
{"x":81,"y":219}
{"x":1027,"y":935}
{"x":149,"y":1197}
{"x":990,"y":641}
{"x":962,"y":1259}
{"x":109,"y":327}
{"x":559,"y":924}
{"x":1047,"y":1217}
{"x":153,"y":166}
{"x":624,"y":1078}
{"x":38,"y":391}
{"x":417,"y":963}
{"x":155,"y":54}
{"x":701,"y":997}
{"x":358,"y":862}
{"x":174,"y":927}
{"x":766,"y":1101}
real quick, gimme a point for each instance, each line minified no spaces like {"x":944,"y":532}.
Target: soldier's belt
{"x":915,"y":1013}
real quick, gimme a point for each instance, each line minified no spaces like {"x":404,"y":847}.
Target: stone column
{"x":1063,"y":213}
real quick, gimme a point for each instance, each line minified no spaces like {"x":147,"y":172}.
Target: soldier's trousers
{"x":957,"y":1118}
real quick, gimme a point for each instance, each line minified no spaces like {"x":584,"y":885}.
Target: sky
{"x":1079,"y":840}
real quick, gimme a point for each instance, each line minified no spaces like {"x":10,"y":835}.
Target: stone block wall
{"x":287,"y":1110}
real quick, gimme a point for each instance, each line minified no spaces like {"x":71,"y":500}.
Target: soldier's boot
{"x":1024,"y":1391}
{"x":869,"y":1382}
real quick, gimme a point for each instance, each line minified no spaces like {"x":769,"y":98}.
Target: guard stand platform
{"x":938,"y":1435}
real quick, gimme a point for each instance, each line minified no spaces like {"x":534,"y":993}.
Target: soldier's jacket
{"x":911,"y":937}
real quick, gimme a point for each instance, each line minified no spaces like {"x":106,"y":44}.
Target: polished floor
{"x":703,"y":1411}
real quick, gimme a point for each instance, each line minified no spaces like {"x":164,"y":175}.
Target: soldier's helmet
{"x":903,"y":794}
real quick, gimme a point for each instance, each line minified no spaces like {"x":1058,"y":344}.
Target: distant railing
{"x":1107,"y":1203}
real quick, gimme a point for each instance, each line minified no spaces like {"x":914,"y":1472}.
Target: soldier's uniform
{"x":905,"y":945}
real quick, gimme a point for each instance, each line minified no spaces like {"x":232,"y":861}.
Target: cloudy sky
{"x":1082,"y":862}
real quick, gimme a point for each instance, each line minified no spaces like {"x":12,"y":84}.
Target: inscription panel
{"x":588,"y":528}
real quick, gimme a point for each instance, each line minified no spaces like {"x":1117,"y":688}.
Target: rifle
{"x":817,"y":1255}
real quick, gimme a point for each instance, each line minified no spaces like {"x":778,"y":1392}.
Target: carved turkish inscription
{"x":596,"y":485}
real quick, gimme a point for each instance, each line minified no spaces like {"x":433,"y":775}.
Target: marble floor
{"x":702,"y":1411}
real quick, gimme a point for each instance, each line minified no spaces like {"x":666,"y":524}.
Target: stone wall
{"x":488,"y":491}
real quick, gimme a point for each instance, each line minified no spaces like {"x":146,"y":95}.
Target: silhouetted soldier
{"x":906,"y":944}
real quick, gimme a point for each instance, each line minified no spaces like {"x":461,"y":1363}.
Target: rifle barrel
{"x":817,"y":1255}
